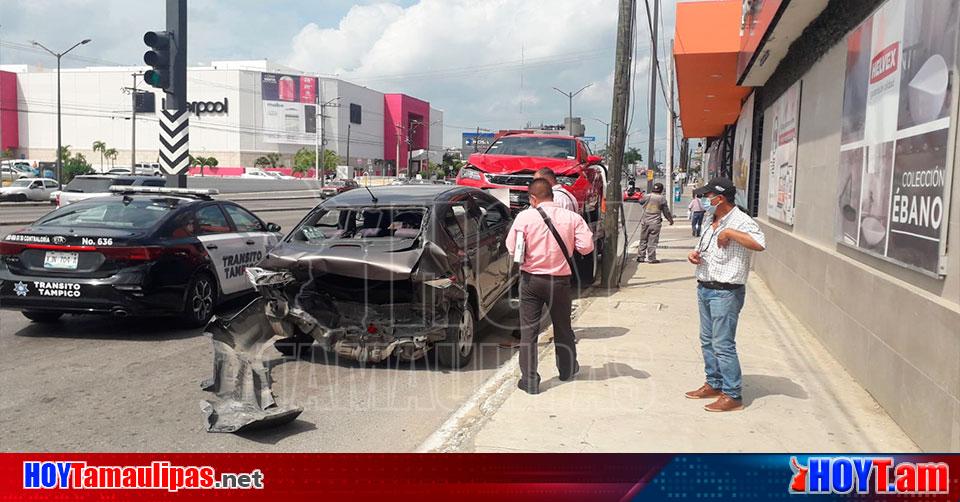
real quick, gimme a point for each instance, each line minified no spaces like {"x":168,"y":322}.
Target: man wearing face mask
{"x":722,"y":258}
{"x":548,"y":236}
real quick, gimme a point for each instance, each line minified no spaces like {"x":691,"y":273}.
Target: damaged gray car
{"x":371,"y":274}
{"x":368,"y":274}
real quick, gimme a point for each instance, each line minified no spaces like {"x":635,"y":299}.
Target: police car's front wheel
{"x":201,"y":298}
{"x":42,"y":317}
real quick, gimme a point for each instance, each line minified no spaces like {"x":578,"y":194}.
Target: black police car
{"x":140,"y":251}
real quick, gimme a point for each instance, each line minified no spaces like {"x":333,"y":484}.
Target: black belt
{"x":545,"y":276}
{"x":726,"y":286}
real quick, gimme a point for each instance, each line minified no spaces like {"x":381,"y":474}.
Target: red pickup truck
{"x":512,"y":158}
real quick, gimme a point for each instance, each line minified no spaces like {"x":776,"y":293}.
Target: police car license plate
{"x":60,"y":261}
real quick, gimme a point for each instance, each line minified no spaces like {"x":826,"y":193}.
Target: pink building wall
{"x":9,"y":126}
{"x":401,"y":110}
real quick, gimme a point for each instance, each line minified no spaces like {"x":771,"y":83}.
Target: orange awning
{"x":705,"y":48}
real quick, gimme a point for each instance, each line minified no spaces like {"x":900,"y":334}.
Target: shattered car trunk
{"x":393,"y":299}
{"x":365,"y":302}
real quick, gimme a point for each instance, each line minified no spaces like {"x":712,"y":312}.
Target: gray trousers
{"x":554,"y":292}
{"x":649,"y":238}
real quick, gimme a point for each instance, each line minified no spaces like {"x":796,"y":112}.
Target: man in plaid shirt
{"x":722,"y":258}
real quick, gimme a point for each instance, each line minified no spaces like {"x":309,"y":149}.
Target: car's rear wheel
{"x":201,"y":298}
{"x":457,"y":350}
{"x":42,"y":316}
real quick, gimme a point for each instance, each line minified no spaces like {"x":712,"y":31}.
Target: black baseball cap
{"x":719,"y":186}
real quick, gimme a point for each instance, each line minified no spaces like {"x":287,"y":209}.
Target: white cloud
{"x":343,"y":47}
{"x":465,"y":56}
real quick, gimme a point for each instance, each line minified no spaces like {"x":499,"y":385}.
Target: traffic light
{"x":158,"y":57}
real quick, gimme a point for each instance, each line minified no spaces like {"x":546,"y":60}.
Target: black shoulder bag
{"x":556,"y":236}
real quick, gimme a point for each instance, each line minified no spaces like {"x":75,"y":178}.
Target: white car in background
{"x":98,"y":185}
{"x":34,"y":189}
{"x":138,"y":171}
{"x":10,"y":173}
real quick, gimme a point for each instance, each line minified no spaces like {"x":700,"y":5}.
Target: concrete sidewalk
{"x":639,"y":352}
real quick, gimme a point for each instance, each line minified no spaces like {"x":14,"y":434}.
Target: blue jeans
{"x":696,"y":221}
{"x":719,"y":313}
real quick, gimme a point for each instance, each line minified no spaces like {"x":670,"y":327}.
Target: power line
{"x":655,"y":57}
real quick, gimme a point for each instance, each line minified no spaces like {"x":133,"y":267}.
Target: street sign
{"x":590,"y":139}
{"x":174,"y":141}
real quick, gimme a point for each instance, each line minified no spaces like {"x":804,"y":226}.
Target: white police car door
{"x":226,"y":247}
{"x":254,"y":232}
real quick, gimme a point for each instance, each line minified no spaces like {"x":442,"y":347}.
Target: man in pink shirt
{"x":545,"y":279}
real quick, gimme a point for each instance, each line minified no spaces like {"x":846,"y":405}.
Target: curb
{"x":476,"y":411}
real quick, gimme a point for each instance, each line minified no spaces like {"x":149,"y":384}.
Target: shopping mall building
{"x":837,"y":121}
{"x":241,"y":110}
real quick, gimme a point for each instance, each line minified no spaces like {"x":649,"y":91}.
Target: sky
{"x":489,"y":64}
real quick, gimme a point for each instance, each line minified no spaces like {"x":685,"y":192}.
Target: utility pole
{"x":320,"y":148}
{"x":610,"y":266}
{"x":59,"y":55}
{"x":652,"y":125}
{"x":607,"y":137}
{"x":671,"y":123}
{"x":348,"y":144}
{"x":410,"y":132}
{"x":399,"y":131}
{"x":133,"y":126}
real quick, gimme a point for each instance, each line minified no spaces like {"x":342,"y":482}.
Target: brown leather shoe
{"x":705,"y":392}
{"x":724,"y":403}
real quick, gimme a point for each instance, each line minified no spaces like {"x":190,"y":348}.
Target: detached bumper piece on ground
{"x":241,"y":380}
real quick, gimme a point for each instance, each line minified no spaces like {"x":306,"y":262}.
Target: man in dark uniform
{"x":655,"y":209}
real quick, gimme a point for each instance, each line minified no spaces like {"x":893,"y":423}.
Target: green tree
{"x":111,"y":155}
{"x":304,"y":160}
{"x":210,"y":161}
{"x":330,"y":161}
{"x":73,"y":165}
{"x":100,"y":146}
{"x":271,"y":160}
{"x":632,"y":156}
{"x":7,"y":153}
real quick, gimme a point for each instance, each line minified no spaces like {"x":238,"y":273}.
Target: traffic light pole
{"x":177,"y":98}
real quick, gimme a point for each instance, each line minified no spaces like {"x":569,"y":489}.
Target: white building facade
{"x":241,"y":111}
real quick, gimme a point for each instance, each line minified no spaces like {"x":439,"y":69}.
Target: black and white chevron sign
{"x":174,"y":141}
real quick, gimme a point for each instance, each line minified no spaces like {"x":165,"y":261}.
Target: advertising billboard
{"x":289,"y":108}
{"x":782,"y":167}
{"x":895,"y":133}
{"x":472,"y":142}
{"x":741,"y":153}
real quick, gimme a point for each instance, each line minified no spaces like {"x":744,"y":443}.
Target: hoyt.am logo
{"x":877,"y":475}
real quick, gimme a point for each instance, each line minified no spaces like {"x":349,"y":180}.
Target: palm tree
{"x":100,"y":146}
{"x":111,"y":155}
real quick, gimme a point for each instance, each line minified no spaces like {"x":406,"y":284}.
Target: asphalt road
{"x":103,"y":384}
{"x":20,"y":213}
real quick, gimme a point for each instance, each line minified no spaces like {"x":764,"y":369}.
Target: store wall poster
{"x":895,"y":133}
{"x":782,"y":167}
{"x":741,"y":153}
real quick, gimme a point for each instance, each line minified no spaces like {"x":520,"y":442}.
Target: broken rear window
{"x":387,"y":223}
